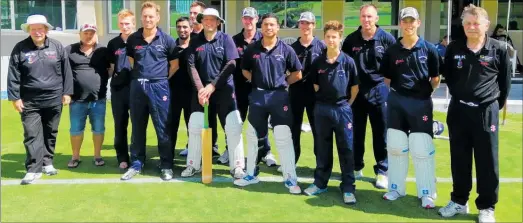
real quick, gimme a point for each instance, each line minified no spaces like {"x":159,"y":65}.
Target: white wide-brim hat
{"x":36,"y":19}
{"x":211,"y":12}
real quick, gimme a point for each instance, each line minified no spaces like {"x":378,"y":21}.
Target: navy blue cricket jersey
{"x":151,"y":60}
{"x":210,"y":57}
{"x":308,"y":54}
{"x":368,"y":55}
{"x":122,"y":66}
{"x":335,"y":80}
{"x":241,"y":45}
{"x":410,"y":70}
{"x":268,"y":67}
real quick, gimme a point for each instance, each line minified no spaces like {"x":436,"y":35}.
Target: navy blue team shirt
{"x":308,"y":54}
{"x":410,"y":69}
{"x":122,"y":66}
{"x":335,"y":80}
{"x":268,"y":67}
{"x":209,"y":57}
{"x":151,"y":60}
{"x":368,"y":55}
{"x":241,"y":45}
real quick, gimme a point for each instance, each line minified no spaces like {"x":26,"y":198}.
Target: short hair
{"x":150,"y":4}
{"x":334,"y":25}
{"x":369,"y":5}
{"x":183,"y":19}
{"x":126,"y":13}
{"x":198,"y":3}
{"x":475,"y":11}
{"x":269,"y":15}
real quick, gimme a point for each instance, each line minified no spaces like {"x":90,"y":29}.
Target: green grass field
{"x":193,"y":201}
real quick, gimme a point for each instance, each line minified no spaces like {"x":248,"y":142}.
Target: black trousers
{"x":473,"y":132}
{"x":302,"y":99}
{"x":120,"y":107}
{"x":40,"y":131}
{"x":180,"y":100}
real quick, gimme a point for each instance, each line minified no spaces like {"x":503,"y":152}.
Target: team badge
{"x":285,"y":108}
{"x":425,"y":118}
{"x":380,"y":49}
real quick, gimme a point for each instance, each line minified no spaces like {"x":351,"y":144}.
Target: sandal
{"x":73,"y":163}
{"x":99,"y":161}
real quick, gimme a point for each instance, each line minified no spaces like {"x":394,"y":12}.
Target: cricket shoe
{"x":189,"y":171}
{"x":269,"y":159}
{"x":224,"y":158}
{"x":237,"y":173}
{"x":49,"y":170}
{"x":292,"y":184}
{"x":392,"y":195}
{"x":246,"y":180}
{"x":131,"y":172}
{"x":452,"y":209}
{"x":279,"y":169}
{"x":427,"y":202}
{"x":215,"y":152}
{"x":486,"y":215}
{"x":382,"y":181}
{"x":358,"y":174}
{"x":167,"y":174}
{"x":349,"y":198}
{"x":313,"y":190}
{"x":30,"y":178}
{"x":184,"y":152}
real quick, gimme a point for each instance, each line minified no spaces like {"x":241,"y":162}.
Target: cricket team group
{"x":339,"y":82}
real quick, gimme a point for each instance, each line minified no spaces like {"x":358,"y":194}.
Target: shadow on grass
{"x":371,"y":201}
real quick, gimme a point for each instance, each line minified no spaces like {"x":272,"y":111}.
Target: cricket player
{"x":243,"y":87}
{"x":334,"y":75}
{"x":120,"y":82}
{"x":477,"y":70}
{"x":411,"y":68}
{"x":301,"y":93}
{"x":180,"y":83}
{"x":39,"y":83}
{"x":152,"y":55}
{"x":367,"y":46}
{"x":211,"y":60}
{"x":265,"y":63}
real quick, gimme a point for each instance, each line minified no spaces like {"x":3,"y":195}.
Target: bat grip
{"x":206,"y":116}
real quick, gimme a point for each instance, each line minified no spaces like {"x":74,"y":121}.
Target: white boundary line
{"x":198,"y":180}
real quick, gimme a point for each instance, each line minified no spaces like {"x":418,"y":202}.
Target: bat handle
{"x":206,"y":115}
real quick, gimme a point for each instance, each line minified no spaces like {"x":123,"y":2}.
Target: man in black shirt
{"x":89,"y":64}
{"x":121,"y":78}
{"x":477,"y":70}
{"x":39,"y":81}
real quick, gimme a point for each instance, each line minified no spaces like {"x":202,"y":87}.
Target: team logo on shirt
{"x":31,"y":57}
{"x":380,"y":49}
{"x":422,"y":59}
{"x":118,"y":52}
{"x":159,"y":48}
{"x":460,"y":59}
{"x":320,"y":71}
{"x":50,"y":54}
{"x":256,"y":56}
{"x":279,"y":57}
{"x":356,"y":49}
{"x":240,"y":49}
{"x":341,"y":73}
{"x":484,"y":60}
{"x":425,"y":118}
{"x":199,"y":49}
{"x":219,"y":49}
{"x":400,"y":61}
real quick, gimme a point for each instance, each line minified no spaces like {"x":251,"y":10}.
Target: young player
{"x":334,"y":75}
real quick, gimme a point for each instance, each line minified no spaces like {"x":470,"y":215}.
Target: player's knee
{"x":282,"y":133}
{"x":233,"y":123}
{"x":196,"y":122}
{"x":421,"y":145}
{"x":397,"y":142}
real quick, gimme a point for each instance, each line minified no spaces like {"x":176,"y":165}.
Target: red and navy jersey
{"x":308,"y":54}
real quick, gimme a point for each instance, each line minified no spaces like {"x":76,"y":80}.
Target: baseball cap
{"x":249,"y":12}
{"x":211,"y":12}
{"x":88,"y":26}
{"x":409,"y":12}
{"x":307,"y":16}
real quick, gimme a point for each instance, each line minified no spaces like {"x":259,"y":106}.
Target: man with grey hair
{"x":477,"y":70}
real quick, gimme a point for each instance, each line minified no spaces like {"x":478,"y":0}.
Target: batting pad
{"x":398,"y":157}
{"x":283,"y":141}
{"x":233,"y":131}
{"x":422,"y":149}
{"x":252,"y":149}
{"x":194,"y":156}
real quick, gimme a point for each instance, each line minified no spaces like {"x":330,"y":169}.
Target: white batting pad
{"x":194,"y":156}
{"x":422,"y":150}
{"x":283,"y":141}
{"x":233,"y":130}
{"x":398,"y":156}
{"x":252,"y":149}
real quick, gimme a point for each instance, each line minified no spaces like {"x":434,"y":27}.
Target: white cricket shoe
{"x":486,"y":215}
{"x":279,"y":169}
{"x":189,"y":171}
{"x":349,"y":198}
{"x":246,"y":180}
{"x":358,"y":174}
{"x":427,"y":202}
{"x":382,"y":181}
{"x":238,"y":173}
{"x":452,"y":209}
{"x":224,"y":158}
{"x":184,"y":152}
{"x":292,"y":184}
{"x":392,"y":195}
{"x":30,"y":178}
{"x":269,"y":159}
{"x":49,"y":170}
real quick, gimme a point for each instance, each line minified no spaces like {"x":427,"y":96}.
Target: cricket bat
{"x":206,"y":147}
